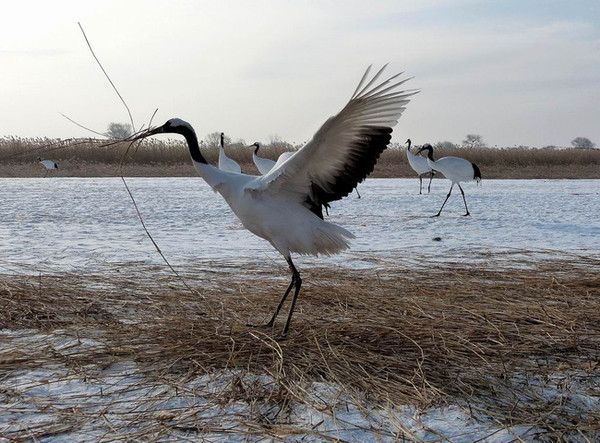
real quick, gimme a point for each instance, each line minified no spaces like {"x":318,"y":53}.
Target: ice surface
{"x":74,"y":223}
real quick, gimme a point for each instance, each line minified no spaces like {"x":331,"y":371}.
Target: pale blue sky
{"x":516,"y":72}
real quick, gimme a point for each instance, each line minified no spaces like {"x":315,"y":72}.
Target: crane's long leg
{"x":447,"y":197}
{"x":281,"y":302}
{"x":464,"y":199}
{"x":296,"y":277}
{"x":356,"y":189}
{"x":297,"y":283}
{"x":420,"y":184}
{"x":429,"y":185}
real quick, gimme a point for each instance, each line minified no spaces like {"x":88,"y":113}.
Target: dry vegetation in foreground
{"x":431,"y":337}
{"x":88,"y":158}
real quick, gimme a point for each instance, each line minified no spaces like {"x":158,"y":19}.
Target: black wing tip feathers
{"x":372,"y":141}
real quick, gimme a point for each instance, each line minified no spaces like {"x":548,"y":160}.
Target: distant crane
{"x":285,"y":206}
{"x":455,"y":169}
{"x":420,"y":166}
{"x":226,"y":163}
{"x":48,"y":164}
{"x":264,"y":165}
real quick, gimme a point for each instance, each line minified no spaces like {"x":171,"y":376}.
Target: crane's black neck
{"x":429,"y":150}
{"x":256,"y":150}
{"x":222,"y":140}
{"x":409,"y":143}
{"x":192,"y":141}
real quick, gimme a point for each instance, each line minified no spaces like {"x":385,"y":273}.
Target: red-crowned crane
{"x":48,"y":164}
{"x":264,"y":165}
{"x":420,"y":166}
{"x":285,"y":206}
{"x":226,"y":163}
{"x":455,"y":169}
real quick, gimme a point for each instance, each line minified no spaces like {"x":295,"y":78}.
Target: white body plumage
{"x":226,"y":163}
{"x":264,"y":165}
{"x":455,"y":169}
{"x":419,"y":165}
{"x":48,"y":164}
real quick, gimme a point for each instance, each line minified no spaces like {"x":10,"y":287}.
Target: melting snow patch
{"x":59,"y":405}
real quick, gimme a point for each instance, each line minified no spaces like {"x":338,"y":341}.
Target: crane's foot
{"x":467,"y":214}
{"x":260,"y":326}
{"x":284,"y":333}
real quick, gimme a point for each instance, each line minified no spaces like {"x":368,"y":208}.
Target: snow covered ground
{"x":73,"y":224}
{"x":59,"y":404}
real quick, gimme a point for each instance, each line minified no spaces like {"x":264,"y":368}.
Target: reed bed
{"x":89,"y":157}
{"x":482,"y":336}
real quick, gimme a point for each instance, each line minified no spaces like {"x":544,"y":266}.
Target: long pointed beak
{"x":419,"y":151}
{"x":149,"y":132}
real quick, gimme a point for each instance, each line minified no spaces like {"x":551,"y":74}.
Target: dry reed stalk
{"x":90,"y":157}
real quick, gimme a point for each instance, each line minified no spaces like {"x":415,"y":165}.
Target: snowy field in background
{"x":76,"y":223}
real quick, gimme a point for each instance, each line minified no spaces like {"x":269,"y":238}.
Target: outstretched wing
{"x":345,"y":149}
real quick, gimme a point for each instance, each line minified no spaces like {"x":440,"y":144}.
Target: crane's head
{"x":256,"y":146}
{"x":408,"y":142}
{"x":39,"y":159}
{"x":181,"y":127}
{"x":172,"y":126}
{"x":425,"y":147}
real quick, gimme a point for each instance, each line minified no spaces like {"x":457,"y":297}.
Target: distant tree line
{"x":213,"y":140}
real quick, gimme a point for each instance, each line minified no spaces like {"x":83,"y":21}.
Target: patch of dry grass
{"x":441,"y":334}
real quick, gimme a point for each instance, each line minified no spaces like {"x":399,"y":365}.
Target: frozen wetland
{"x":481,"y":328}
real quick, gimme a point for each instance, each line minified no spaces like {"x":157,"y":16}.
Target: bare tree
{"x":276,"y":141}
{"x":445,"y":145}
{"x":582,"y":143}
{"x":118,"y":130}
{"x":473,"y":141}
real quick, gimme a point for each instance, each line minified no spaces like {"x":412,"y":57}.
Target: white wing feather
{"x":344,"y":150}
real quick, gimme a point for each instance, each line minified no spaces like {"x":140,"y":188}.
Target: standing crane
{"x":264,"y":165}
{"x":285,"y":206}
{"x":226,"y":163}
{"x":420,"y":166}
{"x":455,"y":169}
{"x":48,"y":164}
